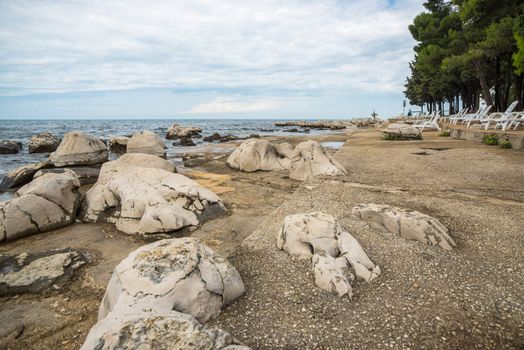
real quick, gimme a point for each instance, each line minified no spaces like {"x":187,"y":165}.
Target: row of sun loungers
{"x":499,"y":120}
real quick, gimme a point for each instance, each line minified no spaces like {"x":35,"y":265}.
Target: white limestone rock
{"x":179,"y":274}
{"x":146,"y":142}
{"x":118,"y":144}
{"x":320,"y":237}
{"x":150,"y":330}
{"x":256,"y":154}
{"x":402,"y":131}
{"x":43,"y":142}
{"x":148,"y":198}
{"x":32,"y":273}
{"x":78,"y":148}
{"x":48,"y":202}
{"x":23,"y":174}
{"x":182,"y":132}
{"x":409,"y":224}
{"x":142,"y":195}
{"x":310,"y":159}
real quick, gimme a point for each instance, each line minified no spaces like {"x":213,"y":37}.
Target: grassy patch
{"x":444,"y":133}
{"x":490,"y":139}
{"x":394,"y":137}
{"x":506,"y":144}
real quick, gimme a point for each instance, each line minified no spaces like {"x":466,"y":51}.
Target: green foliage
{"x":490,"y":139}
{"x":393,"y":137}
{"x":444,"y":133}
{"x":464,"y":49}
{"x":506,"y":144}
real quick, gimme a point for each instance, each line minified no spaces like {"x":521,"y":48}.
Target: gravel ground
{"x":469,"y":298}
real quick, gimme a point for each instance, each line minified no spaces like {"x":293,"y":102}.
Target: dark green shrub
{"x":490,"y":139}
{"x":393,"y":137}
{"x":444,"y":133}
{"x":506,"y":144}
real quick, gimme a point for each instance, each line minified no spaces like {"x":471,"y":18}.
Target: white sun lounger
{"x":501,"y":119}
{"x":432,"y":123}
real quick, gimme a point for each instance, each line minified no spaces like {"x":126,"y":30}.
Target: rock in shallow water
{"x":141,"y":194}
{"x":22,"y":175}
{"x":157,"y":294}
{"x":10,"y":147}
{"x":32,"y":273}
{"x":406,"y":223}
{"x":118,"y":144}
{"x":176,"y":131}
{"x":319,"y":237}
{"x":43,"y":142}
{"x":78,"y":148}
{"x":49,"y":201}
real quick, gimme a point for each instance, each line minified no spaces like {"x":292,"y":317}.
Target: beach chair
{"x":468,"y":116}
{"x":501,"y":119}
{"x":432,"y":123}
{"x":476,"y":117}
{"x":460,"y":114}
{"x":517,"y":120}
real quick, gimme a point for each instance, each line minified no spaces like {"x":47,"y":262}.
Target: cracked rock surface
{"x":141,"y":194}
{"x":319,"y":237}
{"x":161,"y":292}
{"x":310,"y":159}
{"x":32,"y":273}
{"x":146,"y":142}
{"x":78,"y":148}
{"x":256,"y":154}
{"x":49,"y":201}
{"x":409,"y":224}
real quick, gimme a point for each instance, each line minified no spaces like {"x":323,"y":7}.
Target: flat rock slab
{"x":35,"y":272}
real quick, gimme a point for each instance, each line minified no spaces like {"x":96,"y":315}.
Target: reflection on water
{"x":332,"y":144}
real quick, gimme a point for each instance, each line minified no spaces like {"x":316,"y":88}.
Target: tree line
{"x":467,"y":49}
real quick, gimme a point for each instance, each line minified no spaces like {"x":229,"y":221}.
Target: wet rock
{"x":178,"y":132}
{"x":10,"y":147}
{"x":43,"y":142}
{"x":292,"y":130}
{"x":309,"y":159}
{"x":146,"y":142}
{"x":180,"y":274}
{"x":406,"y":223}
{"x":118,"y":144}
{"x":157,"y":330}
{"x":398,"y":131}
{"x":184,"y":142}
{"x":257,"y":154}
{"x":195,"y":159}
{"x":22,"y":175}
{"x":319,"y":237}
{"x":33,"y":273}
{"x":216,"y":137}
{"x":148,"y":199}
{"x":48,"y":202}
{"x":78,"y":148}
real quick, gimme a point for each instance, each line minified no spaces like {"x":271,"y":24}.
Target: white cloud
{"x":223,"y":105}
{"x":296,"y":46}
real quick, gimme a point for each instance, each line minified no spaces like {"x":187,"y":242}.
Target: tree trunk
{"x":483,"y":83}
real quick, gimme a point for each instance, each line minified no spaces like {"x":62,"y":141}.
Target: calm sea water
{"x":22,"y":130}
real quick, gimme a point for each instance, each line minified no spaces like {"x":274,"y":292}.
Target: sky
{"x":67,"y":59}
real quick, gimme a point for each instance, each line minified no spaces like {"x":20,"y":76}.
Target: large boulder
{"x":141,"y":194}
{"x":23,"y":174}
{"x":409,"y":224}
{"x":78,"y":148}
{"x":399,"y":131}
{"x":35,"y":272}
{"x":43,"y":142}
{"x":86,"y":174}
{"x":118,"y":144}
{"x":310,"y":159}
{"x":181,"y":132}
{"x":49,"y":201}
{"x":158,"y":295}
{"x":319,"y":237}
{"x":157,"y":330}
{"x":257,"y":154}
{"x":10,"y":147}
{"x":146,"y":142}
{"x":179,"y":274}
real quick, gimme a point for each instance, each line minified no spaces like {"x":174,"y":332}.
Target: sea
{"x":22,"y":130}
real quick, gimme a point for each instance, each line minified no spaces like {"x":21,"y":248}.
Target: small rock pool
{"x":332,"y":144}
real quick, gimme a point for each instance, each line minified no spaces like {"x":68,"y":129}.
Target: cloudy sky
{"x":203,"y":58}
